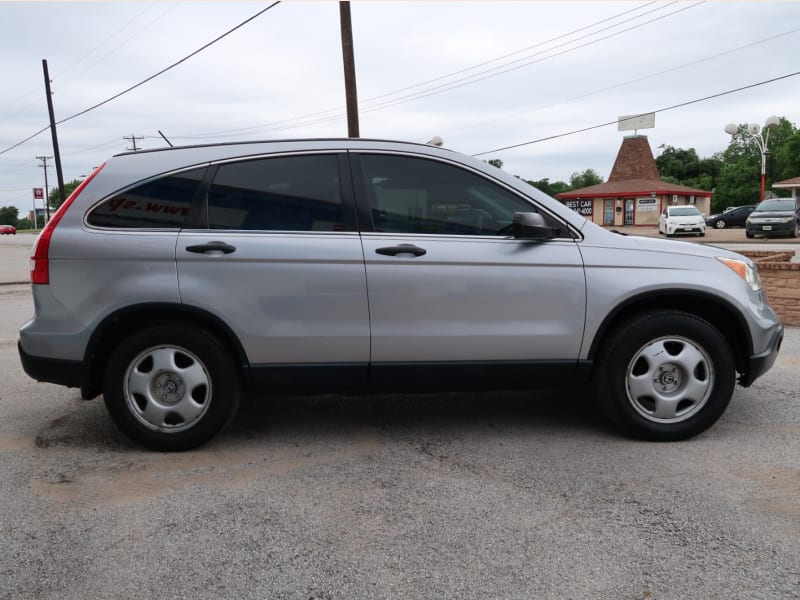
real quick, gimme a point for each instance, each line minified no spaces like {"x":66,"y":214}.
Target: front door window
{"x":608,"y":212}
{"x":629,"y":211}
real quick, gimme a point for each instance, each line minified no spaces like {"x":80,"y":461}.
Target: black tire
{"x":719,"y":224}
{"x":171,"y":386}
{"x":794,"y":232}
{"x":749,"y":235}
{"x":665,"y":376}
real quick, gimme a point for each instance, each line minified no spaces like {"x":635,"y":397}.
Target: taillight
{"x":40,"y":265}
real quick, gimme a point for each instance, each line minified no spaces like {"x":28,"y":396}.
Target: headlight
{"x":787,"y":219}
{"x":745,"y":270}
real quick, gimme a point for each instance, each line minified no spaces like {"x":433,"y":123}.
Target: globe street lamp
{"x":761,"y":137}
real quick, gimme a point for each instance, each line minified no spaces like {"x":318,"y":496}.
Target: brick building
{"x":634,"y":193}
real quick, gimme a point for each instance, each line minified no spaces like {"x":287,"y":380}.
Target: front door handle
{"x":211,"y":248}
{"x":401,"y":249}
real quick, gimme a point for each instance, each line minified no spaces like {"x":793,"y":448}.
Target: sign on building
{"x":634,"y":122}
{"x":582,"y":207}
{"x":646,"y":204}
{"x":38,"y":194}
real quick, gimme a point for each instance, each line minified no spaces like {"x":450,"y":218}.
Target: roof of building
{"x":634,"y":174}
{"x":787,"y":183}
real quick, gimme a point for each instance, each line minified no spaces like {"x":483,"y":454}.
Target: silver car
{"x":172,"y":279}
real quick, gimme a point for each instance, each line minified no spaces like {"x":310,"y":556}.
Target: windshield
{"x":770,"y":205}
{"x":683,"y":211}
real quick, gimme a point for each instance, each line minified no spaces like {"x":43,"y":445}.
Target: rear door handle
{"x":401,"y":249}
{"x":212,"y":248}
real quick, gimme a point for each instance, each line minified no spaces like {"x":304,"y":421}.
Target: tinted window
{"x":416,"y":195}
{"x":775,"y":205}
{"x":163,"y":204}
{"x":684,"y":211}
{"x":294,"y":193}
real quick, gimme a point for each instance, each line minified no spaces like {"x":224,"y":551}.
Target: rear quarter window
{"x":163,"y":203}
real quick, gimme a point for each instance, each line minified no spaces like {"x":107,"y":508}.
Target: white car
{"x":676,"y":220}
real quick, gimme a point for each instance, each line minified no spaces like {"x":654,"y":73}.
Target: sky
{"x":481,"y":75}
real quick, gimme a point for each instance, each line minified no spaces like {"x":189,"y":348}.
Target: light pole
{"x":761,"y":137}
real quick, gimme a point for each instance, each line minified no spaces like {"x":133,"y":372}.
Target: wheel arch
{"x":717,"y":311}
{"x":132,"y":318}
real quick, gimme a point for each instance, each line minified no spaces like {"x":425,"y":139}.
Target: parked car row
{"x":8,"y":230}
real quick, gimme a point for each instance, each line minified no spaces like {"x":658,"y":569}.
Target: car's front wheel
{"x":665,"y":375}
{"x":171,"y":387}
{"x":720,"y":224}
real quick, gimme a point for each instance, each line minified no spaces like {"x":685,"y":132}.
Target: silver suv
{"x":172,"y":279}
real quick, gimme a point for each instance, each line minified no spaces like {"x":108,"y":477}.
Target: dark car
{"x":7,"y":229}
{"x":779,"y":216}
{"x":734,"y":216}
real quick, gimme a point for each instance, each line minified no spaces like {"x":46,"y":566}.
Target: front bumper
{"x":759,"y":364}
{"x":771,"y":228}
{"x":687,"y":229}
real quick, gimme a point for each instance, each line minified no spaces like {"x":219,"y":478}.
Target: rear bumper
{"x":759,"y":364}
{"x":68,"y":373}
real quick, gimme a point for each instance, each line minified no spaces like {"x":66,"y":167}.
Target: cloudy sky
{"x":482,"y":75}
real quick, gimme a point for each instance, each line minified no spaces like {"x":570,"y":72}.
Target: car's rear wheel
{"x":665,"y":375}
{"x":171,"y":387}
{"x":720,"y":224}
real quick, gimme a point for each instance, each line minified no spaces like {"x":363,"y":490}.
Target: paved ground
{"x":497,"y":495}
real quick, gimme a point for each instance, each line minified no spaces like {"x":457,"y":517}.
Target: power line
{"x":614,"y":122}
{"x":118,"y":46}
{"x":628,"y":82}
{"x":74,"y":63}
{"x":487,"y":74}
{"x":338,"y":114}
{"x":172,"y":66}
{"x":161,"y":72}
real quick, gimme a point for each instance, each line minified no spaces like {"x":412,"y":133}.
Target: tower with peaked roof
{"x":634,"y":194}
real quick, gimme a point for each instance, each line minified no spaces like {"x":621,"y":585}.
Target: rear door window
{"x":289,"y":193}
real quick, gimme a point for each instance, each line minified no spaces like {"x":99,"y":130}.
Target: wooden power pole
{"x":348,"y":57}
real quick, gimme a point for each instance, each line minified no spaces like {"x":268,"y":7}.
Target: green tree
{"x":8,"y":215}
{"x":739,"y":180}
{"x":584,"y":179}
{"x":548,"y":188}
{"x":24,"y":223}
{"x":54,"y":199}
{"x":495,"y":162}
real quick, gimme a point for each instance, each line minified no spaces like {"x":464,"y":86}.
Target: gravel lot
{"x":492,"y":495}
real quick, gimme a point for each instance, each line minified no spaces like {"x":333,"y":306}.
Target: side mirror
{"x":532,"y":226}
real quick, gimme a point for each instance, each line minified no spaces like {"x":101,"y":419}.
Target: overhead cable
{"x":161,"y":72}
{"x":615,"y":121}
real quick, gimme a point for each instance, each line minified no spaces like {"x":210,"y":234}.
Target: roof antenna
{"x":436,"y":141}
{"x":165,"y":138}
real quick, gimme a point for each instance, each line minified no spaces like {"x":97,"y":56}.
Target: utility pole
{"x":56,"y":152}
{"x":133,"y":139}
{"x":348,"y":57}
{"x":44,"y":160}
